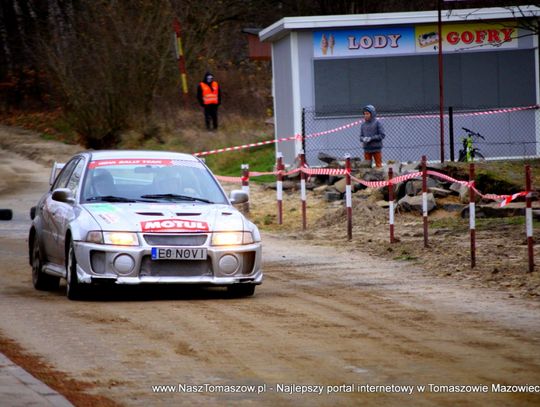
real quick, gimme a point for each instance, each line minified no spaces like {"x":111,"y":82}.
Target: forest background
{"x":104,"y":73}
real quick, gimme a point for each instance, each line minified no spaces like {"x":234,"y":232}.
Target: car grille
{"x":175,"y":268}
{"x":175,"y":240}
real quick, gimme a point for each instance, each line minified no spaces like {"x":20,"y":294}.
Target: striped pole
{"x":279,"y":187}
{"x":348,"y":196}
{"x":302,"y":157}
{"x":424,"y":200}
{"x":181,"y":59}
{"x":472,"y":214}
{"x":245,"y":184}
{"x":391,"y":202}
{"x":529,"y":217}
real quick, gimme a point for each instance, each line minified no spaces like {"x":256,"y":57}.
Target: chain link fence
{"x":508,"y":133}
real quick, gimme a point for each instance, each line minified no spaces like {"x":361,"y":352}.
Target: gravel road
{"x":334,"y":318}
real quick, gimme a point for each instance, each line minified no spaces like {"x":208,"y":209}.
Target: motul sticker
{"x":170,"y":225}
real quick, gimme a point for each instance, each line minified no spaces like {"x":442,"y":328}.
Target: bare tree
{"x":107,"y":59}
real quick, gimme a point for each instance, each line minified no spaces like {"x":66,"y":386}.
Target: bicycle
{"x":469,"y":152}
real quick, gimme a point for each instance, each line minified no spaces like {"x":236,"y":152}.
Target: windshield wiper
{"x":174,"y":197}
{"x":110,"y":198}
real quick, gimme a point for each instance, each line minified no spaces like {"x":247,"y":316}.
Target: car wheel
{"x":41,"y":280}
{"x":241,"y":290}
{"x":74,"y":289}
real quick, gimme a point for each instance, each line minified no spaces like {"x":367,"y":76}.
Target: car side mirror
{"x":63,"y":195}
{"x":238,"y":196}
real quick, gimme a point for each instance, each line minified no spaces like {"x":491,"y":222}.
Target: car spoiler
{"x":56,"y":168}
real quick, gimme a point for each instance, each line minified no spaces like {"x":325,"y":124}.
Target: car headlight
{"x":113,"y":238}
{"x":231,"y":238}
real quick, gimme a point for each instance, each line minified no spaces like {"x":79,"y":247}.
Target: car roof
{"x":132,"y":154}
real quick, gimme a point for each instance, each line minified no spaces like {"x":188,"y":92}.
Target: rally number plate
{"x":178,"y":253}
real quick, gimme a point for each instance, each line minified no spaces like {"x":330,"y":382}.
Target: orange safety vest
{"x":210,"y":93}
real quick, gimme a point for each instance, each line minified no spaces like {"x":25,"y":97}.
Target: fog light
{"x":124,"y":264}
{"x":228,"y":264}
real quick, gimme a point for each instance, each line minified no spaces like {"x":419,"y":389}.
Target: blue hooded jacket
{"x":373,"y":129}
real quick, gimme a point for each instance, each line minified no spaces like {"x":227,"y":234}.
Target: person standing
{"x":209,"y":97}
{"x":371,"y":135}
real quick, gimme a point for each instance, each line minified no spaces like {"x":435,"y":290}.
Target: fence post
{"x":472,"y":214}
{"x":424,"y":200}
{"x":529,"y":217}
{"x":348,"y":196}
{"x":245,"y":184}
{"x":303,"y":187}
{"x":391,"y":202}
{"x":279,"y":187}
{"x":303,"y":129}
{"x":451,"y":131}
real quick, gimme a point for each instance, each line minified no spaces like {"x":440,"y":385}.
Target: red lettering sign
{"x":491,"y":36}
{"x":172,"y":225}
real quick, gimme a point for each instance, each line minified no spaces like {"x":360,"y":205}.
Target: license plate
{"x":178,"y":253}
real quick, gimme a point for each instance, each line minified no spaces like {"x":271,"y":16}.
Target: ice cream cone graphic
{"x":324,"y":44}
{"x":331,"y":43}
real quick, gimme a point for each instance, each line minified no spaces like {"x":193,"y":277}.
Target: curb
{"x":18,"y":388}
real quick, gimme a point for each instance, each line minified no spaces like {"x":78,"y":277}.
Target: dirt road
{"x":323,"y":317}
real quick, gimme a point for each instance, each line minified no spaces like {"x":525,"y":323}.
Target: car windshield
{"x":157,"y":181}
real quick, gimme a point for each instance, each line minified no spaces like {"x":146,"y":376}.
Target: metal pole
{"x":472,"y":214}
{"x":181,"y":60}
{"x":529,"y":218}
{"x":348,"y":196}
{"x":451,"y":131}
{"x":303,"y":188}
{"x":245,"y":184}
{"x":303,"y":129}
{"x":279,"y":187}
{"x":391,"y":202}
{"x":441,"y":78}
{"x":424,"y":200}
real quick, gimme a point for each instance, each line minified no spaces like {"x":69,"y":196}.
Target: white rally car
{"x":141,"y":217}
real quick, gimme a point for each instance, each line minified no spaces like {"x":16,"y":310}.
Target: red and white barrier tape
{"x":223,"y":178}
{"x":352,"y":124}
{"x":485,"y":112}
{"x":504,"y":199}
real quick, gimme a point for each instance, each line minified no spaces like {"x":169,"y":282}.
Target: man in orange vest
{"x":209,"y":97}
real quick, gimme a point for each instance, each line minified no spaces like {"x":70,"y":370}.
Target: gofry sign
{"x":467,"y":37}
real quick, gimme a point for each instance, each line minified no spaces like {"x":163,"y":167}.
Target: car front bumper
{"x":224,"y":266}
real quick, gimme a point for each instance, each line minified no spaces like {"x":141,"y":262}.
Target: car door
{"x":66,"y":211}
{"x":53,"y":213}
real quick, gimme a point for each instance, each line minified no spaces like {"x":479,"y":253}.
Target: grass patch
{"x":260,"y":159}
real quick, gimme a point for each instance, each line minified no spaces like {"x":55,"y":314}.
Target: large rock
{"x":340,"y":185}
{"x":493,"y":210}
{"x":414,"y":186}
{"x":439,"y":192}
{"x":464,"y":195}
{"x":414,"y":203}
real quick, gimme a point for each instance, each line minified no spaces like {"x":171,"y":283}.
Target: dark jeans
{"x":210,"y":116}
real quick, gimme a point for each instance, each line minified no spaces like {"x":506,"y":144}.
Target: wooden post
{"x":302,"y":157}
{"x":245,"y":184}
{"x":348,"y":196}
{"x":391,"y":202}
{"x":424,"y":200}
{"x":181,"y":60}
{"x":529,"y":217}
{"x":279,"y":187}
{"x":472,"y":214}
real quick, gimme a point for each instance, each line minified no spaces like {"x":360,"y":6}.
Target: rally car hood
{"x":151,"y":218}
